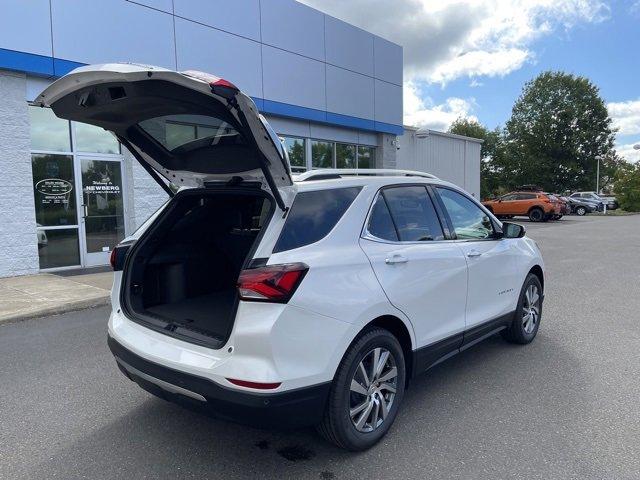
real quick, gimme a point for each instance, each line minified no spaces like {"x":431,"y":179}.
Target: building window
{"x":58,"y":247}
{"x":321,"y":154}
{"x":366,"y":157}
{"x":55,"y":203}
{"x":48,"y":132}
{"x":90,"y":138}
{"x":296,"y":150}
{"x":345,"y":155}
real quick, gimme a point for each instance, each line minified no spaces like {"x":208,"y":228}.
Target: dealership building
{"x":70,"y":192}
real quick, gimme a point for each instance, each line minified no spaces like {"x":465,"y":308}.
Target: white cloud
{"x":626,"y":116}
{"x":629,"y":153}
{"x":420,"y":111}
{"x":450,"y":39}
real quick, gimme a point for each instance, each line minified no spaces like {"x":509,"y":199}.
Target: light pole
{"x":598,"y":158}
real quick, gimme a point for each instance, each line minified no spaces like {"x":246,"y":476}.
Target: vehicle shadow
{"x":452,"y":415}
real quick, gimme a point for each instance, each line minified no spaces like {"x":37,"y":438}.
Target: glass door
{"x":102,"y":208}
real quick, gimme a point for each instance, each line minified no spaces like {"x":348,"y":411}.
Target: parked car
{"x":565,"y":208}
{"x":283,"y":303}
{"x":538,"y":206}
{"x":580,"y":207}
{"x":611,"y":201}
{"x":593,"y":197}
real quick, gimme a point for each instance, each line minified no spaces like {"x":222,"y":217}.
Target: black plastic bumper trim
{"x":291,"y":409}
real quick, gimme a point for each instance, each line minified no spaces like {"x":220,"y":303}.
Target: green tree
{"x":558,"y":127}
{"x":627,"y":186}
{"x":490,"y":176}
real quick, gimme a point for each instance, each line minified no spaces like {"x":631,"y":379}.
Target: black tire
{"x":580,"y":211}
{"x":558,"y":217}
{"x":536,"y":214}
{"x":337,"y":426}
{"x":517,"y":332}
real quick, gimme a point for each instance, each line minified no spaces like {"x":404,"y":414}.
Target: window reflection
{"x":48,"y":132}
{"x":321,"y":154}
{"x":345,"y":155}
{"x":58,"y":248}
{"x":54,"y":189}
{"x":90,"y":138}
{"x":366,"y":156}
{"x":296,"y":151}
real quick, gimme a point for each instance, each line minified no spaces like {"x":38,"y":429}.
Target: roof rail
{"x":332,"y":173}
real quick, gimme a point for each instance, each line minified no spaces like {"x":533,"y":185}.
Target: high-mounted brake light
{"x":273,"y":283}
{"x":221,"y":82}
{"x":224,"y":88}
{"x":256,"y":385}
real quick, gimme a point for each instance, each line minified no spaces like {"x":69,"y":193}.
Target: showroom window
{"x":77,"y":188}
{"x":345,"y":155}
{"x":366,"y":156}
{"x":321,"y":154}
{"x":296,"y":149}
{"x":306,"y":153}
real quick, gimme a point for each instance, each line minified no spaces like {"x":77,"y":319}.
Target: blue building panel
{"x":293,"y":60}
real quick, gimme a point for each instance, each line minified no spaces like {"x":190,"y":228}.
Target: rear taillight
{"x":272,"y":283}
{"x":118,"y":256}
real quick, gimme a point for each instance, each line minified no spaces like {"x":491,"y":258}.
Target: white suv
{"x":288,"y":303}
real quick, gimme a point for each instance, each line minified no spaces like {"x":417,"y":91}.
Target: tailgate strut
{"x":150,"y":170}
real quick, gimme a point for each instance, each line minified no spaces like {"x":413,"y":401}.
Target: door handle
{"x":473,"y":253}
{"x":395,"y":259}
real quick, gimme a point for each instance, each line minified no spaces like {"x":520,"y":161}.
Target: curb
{"x":58,"y":310}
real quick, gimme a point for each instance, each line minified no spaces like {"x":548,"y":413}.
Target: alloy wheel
{"x":531,"y":309}
{"x":373,"y":389}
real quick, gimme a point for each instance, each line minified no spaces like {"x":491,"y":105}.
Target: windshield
{"x":189,"y":132}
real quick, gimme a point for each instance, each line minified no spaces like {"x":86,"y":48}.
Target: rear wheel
{"x":536,"y":215}
{"x":366,"y":393}
{"x":581,"y":211}
{"x":526,"y":321}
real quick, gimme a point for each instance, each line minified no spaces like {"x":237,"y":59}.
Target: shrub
{"x":627,"y":187}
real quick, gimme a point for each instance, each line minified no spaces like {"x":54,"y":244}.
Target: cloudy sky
{"x":471,"y":57}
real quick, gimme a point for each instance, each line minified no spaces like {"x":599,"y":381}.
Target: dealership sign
{"x":54,"y":187}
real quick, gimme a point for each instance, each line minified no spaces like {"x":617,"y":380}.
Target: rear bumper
{"x":290,"y":409}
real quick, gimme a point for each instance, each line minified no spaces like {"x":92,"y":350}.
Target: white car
{"x":282,"y":302}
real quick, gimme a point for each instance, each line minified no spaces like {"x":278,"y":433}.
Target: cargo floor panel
{"x":208,"y":312}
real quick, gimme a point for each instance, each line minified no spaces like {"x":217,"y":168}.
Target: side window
{"x":509,"y":197}
{"x":413,"y":213}
{"x":313,"y":215}
{"x":380,"y":222}
{"x":528,"y":196}
{"x":469,"y":220}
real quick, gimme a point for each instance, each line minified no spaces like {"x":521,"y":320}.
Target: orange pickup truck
{"x":538,"y":206}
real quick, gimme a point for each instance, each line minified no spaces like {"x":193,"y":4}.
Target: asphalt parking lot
{"x":566,"y":406}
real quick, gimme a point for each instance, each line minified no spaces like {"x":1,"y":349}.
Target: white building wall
{"x":453,"y":158}
{"x":18,"y":241}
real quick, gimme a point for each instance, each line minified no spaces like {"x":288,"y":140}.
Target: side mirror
{"x":512,"y":230}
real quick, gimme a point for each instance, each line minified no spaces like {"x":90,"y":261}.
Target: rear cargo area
{"x":181,"y":275}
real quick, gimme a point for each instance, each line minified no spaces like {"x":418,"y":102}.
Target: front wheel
{"x":526,"y":320}
{"x":580,"y":211}
{"x":366,"y":393}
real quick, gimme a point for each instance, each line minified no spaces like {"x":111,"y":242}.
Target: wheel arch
{"x":532,"y":207}
{"x":399,"y":330}
{"x":537,"y":271}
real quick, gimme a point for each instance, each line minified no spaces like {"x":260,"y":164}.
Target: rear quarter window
{"x":313,"y":215}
